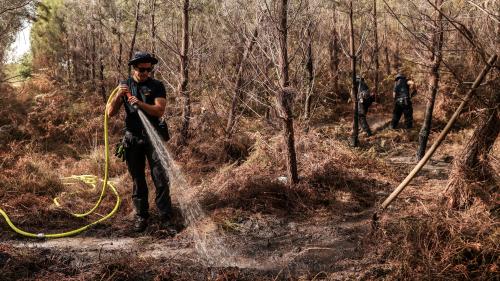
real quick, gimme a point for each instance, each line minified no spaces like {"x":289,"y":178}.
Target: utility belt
{"x":134,"y":138}
{"x":129,"y":139}
{"x":405,"y":101}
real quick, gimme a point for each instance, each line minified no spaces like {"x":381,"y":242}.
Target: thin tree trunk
{"x":238,"y":94}
{"x":136,"y":27}
{"x":334,"y":54}
{"x":434,"y":83}
{"x":354,"y":89}
{"x":386,"y":51}
{"x":397,"y":58}
{"x":184,"y":73}
{"x":93,"y":58}
{"x":153,"y":32}
{"x":285,"y":96}
{"x":376,"y":50}
{"x":68,"y":61}
{"x":309,"y":69}
{"x":74,"y":63}
{"x":310,"y":78}
{"x":101,"y":65}
{"x":471,"y":165}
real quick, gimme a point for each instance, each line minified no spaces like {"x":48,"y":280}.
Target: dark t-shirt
{"x":363,"y":90}
{"x":401,"y":89}
{"x":148,"y":90}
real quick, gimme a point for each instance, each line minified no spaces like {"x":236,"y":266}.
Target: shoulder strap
{"x":132,"y":85}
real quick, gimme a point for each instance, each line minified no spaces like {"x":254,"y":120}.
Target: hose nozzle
{"x":134,"y":106}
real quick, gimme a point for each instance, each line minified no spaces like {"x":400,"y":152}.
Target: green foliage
{"x":48,"y":33}
{"x":25,"y":65}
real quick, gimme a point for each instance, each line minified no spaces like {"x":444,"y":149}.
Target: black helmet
{"x":141,"y":57}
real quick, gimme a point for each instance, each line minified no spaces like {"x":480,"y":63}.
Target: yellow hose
{"x":88,"y":179}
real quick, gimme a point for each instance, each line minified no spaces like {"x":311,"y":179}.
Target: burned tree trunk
{"x":153,"y":32}
{"x":285,"y":96}
{"x":238,"y":94}
{"x":471,"y":165}
{"x":434,"y":83}
{"x":136,"y":26}
{"x":354,"y":89}
{"x":310,"y":71}
{"x":386,"y":51}
{"x":184,"y":74}
{"x":376,"y":49}
{"x":334,"y":54}
{"x":101,"y":67}
{"x":93,"y":53}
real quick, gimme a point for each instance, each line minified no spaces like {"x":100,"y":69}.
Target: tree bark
{"x":376,"y":49}
{"x":434,"y":83}
{"x":238,"y":94}
{"x":354,"y":89}
{"x":471,"y":165}
{"x":153,"y":32}
{"x":386,"y":51}
{"x":334,"y":54}
{"x":309,"y":68}
{"x":101,"y":66}
{"x":184,"y":74}
{"x":285,"y":96}
{"x":93,"y":58}
{"x":136,"y":27}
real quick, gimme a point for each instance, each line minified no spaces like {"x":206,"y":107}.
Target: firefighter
{"x":141,"y":92}
{"x":402,"y":102}
{"x":365,"y":99}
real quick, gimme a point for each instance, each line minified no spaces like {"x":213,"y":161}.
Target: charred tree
{"x":309,"y":69}
{"x":102,"y":88}
{"x":184,"y":74}
{"x":386,"y":50}
{"x":285,"y":95}
{"x":471,"y":166}
{"x":153,"y":32}
{"x":354,"y":89}
{"x":437,"y":46}
{"x":134,"y":35}
{"x":93,"y":57}
{"x":335,"y":54}
{"x":376,"y":49}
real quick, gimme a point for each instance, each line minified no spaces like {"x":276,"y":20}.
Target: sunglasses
{"x":143,"y":69}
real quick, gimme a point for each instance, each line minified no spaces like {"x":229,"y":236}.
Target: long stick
{"x":441,"y":137}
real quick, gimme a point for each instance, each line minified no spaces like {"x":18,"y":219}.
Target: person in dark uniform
{"x":141,"y":92}
{"x":365,"y":99}
{"x":402,"y":102}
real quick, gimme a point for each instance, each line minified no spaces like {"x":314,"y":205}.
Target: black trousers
{"x":138,"y":149}
{"x":399,"y":109}
{"x":362,"y":112}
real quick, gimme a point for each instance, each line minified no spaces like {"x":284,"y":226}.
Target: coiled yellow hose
{"x":88,"y":179}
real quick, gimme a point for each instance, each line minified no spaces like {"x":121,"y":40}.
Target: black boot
{"x":167,"y":225}
{"x":140,"y":224}
{"x":141,"y":218}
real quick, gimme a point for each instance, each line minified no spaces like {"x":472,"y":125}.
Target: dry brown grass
{"x":445,"y":245}
{"x":329,"y":172}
